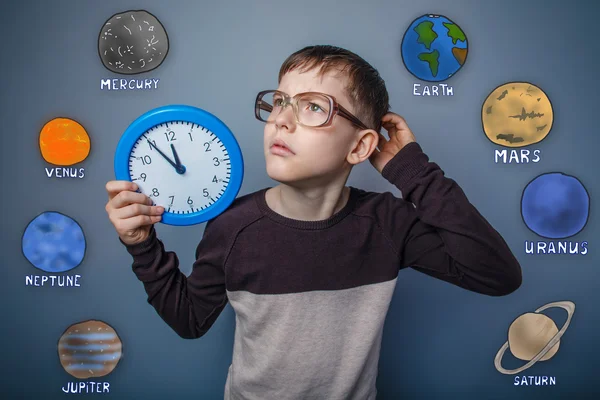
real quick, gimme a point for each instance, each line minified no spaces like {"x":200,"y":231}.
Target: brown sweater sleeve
{"x":189,"y":305}
{"x":448,"y":238}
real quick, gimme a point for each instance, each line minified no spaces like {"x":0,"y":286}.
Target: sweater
{"x":310,"y":297}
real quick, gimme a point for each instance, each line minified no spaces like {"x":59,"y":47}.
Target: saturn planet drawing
{"x":534,"y":337}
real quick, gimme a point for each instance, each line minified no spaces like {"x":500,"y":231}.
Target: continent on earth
{"x":432,"y":59}
{"x":455,"y":32}
{"x":459,"y":54}
{"x":426,"y":33}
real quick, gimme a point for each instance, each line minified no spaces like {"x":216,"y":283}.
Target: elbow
{"x":510,"y":282}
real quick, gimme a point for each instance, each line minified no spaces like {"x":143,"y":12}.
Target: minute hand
{"x":164,"y":155}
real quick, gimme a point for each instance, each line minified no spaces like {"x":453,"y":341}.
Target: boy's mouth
{"x":280,"y":147}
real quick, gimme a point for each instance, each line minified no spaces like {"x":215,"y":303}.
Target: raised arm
{"x":443,"y":234}
{"x":446,"y":237}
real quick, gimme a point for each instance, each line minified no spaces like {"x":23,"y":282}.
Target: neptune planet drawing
{"x":53,"y":242}
{"x":434,"y":48}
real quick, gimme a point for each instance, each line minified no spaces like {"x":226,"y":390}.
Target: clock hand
{"x":165,"y":156}
{"x":180,"y":167}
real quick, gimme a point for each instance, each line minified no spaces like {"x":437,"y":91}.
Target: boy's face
{"x":319,"y":154}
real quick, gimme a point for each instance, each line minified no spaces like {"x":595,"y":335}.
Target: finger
{"x":127,"y":197}
{"x":394,"y":120}
{"x":133,"y":210}
{"x":382,"y":141}
{"x":115,"y":187}
{"x":133,"y":223}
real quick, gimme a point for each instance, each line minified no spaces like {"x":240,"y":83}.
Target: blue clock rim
{"x":184,"y":113}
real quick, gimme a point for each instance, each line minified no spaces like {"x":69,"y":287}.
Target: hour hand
{"x":164,"y":155}
{"x":180,"y":168}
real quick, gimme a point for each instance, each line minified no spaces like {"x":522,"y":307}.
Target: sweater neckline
{"x":301,"y":224}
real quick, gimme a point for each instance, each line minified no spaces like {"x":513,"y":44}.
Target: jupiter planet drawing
{"x":132,"y":42}
{"x":517,"y":114}
{"x":89,"y":349}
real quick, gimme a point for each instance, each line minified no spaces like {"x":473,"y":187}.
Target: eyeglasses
{"x":311,"y":109}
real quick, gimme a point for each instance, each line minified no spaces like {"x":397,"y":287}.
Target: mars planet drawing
{"x":517,"y":114}
{"x":89,"y":349}
{"x":534,"y":337}
{"x":133,"y":42}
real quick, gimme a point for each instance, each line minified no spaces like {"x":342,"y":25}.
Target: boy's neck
{"x":316,"y":204}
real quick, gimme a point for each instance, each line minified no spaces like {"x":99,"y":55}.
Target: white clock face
{"x":200,"y":151}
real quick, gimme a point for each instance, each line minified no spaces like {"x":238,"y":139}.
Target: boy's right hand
{"x":130,"y":212}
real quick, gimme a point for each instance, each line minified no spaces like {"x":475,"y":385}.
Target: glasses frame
{"x":335,"y":107}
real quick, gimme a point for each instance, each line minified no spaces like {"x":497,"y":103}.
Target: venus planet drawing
{"x":89,"y":349}
{"x":517,"y":114}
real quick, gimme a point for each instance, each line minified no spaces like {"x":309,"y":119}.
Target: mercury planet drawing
{"x":89,"y":349}
{"x":534,"y":337}
{"x":555,"y":205}
{"x":517,"y":114}
{"x":133,"y":42}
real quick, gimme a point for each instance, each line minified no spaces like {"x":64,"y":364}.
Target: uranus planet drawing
{"x":54,"y":242}
{"x":555,"y":205}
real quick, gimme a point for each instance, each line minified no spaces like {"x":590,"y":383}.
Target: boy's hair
{"x":366,"y":89}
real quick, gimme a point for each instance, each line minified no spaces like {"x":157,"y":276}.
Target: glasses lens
{"x":313,"y":109}
{"x":269,"y":105}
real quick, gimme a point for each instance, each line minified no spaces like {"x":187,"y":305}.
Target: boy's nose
{"x":286,"y":117}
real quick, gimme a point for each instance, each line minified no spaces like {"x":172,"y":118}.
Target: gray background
{"x":439,"y":340}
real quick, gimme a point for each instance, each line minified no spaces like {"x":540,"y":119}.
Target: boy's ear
{"x":364,"y":146}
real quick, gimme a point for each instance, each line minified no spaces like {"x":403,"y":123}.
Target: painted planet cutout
{"x":555,"y":205}
{"x":89,"y":349}
{"x":132,"y":42}
{"x":54,"y":242}
{"x":64,"y":142}
{"x":517,"y":114}
{"x":534,"y":337}
{"x":434,"y":48}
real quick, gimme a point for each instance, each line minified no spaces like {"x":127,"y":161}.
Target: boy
{"x":310,"y":266}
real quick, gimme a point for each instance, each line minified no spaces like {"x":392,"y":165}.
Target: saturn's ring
{"x":569,"y":306}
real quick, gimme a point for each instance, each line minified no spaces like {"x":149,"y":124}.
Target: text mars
{"x":516,"y":157}
{"x":434,"y":90}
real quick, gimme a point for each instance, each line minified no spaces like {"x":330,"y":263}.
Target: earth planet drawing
{"x":517,"y":114}
{"x":434,"y":48}
{"x":534,"y":337}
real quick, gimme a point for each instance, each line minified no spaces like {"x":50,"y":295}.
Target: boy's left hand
{"x":400,"y":135}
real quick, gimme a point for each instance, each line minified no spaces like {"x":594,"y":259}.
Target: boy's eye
{"x":314,"y":107}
